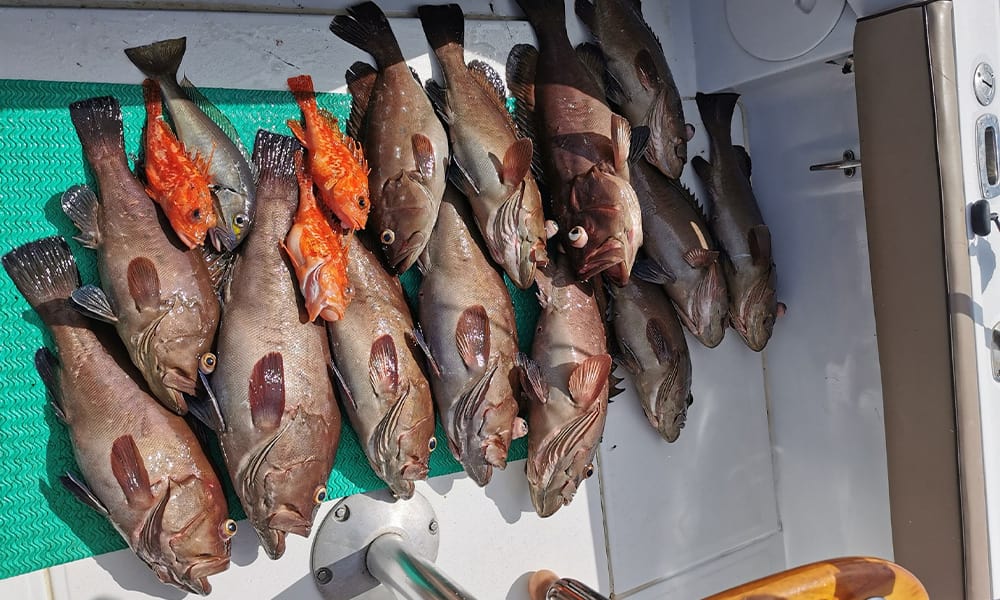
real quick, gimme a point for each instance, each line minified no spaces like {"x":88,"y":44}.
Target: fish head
{"x":400,"y":446}
{"x":406,"y":214}
{"x":754,"y":314}
{"x":667,"y":397}
{"x":599,"y":233}
{"x":235,"y":217}
{"x":191,"y":212}
{"x":174,"y":365}
{"x":350,"y":200}
{"x":520,"y":237}
{"x":668,"y":135}
{"x":706,"y":308}
{"x":483,"y":426}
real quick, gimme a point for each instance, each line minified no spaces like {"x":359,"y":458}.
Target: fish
{"x":639,"y":80}
{"x":736,"y":222}
{"x":681,"y":254}
{"x":318,"y":254}
{"x":158,"y":294}
{"x":383,"y":389}
{"x":467,"y":316}
{"x":489,"y":161}
{"x":336,"y":162}
{"x":283,"y":423}
{"x":653,"y":349}
{"x":566,"y":385}
{"x":177,"y":181}
{"x":142,"y":468}
{"x":204,"y":130}
{"x":585,"y":148}
{"x":405,"y":143}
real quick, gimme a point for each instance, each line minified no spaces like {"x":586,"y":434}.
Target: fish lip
{"x":408,"y":252}
{"x":202,"y":569}
{"x":187,"y":240}
{"x":222,"y":239}
{"x":604,"y":258}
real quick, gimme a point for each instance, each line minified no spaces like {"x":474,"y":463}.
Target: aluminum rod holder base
{"x":341,"y":544}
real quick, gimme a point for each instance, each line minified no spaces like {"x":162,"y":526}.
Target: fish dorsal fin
{"x":532,"y":381}
{"x":637,"y":147}
{"x":588,"y":380}
{"x":332,"y":122}
{"x":143,"y":283}
{"x":83,"y":493}
{"x":217,"y":116}
{"x":517,"y":162}
{"x":645,"y":70}
{"x":220,"y":269}
{"x":700,"y":258}
{"x":423,"y":155}
{"x":656,"y":335}
{"x":383,"y":367}
{"x":491,"y":82}
{"x":130,"y":472}
{"x":472,"y":337}
{"x":93,"y":302}
{"x":693,"y":202}
{"x":743,"y":159}
{"x":47,"y":366}
{"x":593,"y":59}
{"x":204,"y":406}
{"x":587,"y":11}
{"x":360,"y":82}
{"x":702,"y":168}
{"x":417,"y":335}
{"x":651,"y":271}
{"x":759,"y":240}
{"x":342,"y":384}
{"x":460,"y":178}
{"x":81,"y":205}
{"x":521,"y":65}
{"x":439,"y":100}
{"x":267,"y":392}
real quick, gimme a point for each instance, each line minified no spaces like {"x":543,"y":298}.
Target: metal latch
{"x":849,"y":165}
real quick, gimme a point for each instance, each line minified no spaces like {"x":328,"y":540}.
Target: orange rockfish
{"x":319,"y":255}
{"x":335,"y":161}
{"x":178,"y":182}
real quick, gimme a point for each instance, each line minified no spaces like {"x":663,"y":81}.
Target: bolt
{"x":342,"y":513}
{"x":433,"y":527}
{"x":324,"y":575}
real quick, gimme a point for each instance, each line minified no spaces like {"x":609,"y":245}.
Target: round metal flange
{"x":984,"y":83}
{"x":340,"y":548}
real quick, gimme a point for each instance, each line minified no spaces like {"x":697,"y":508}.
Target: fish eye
{"x":196,"y":214}
{"x":432,"y":444}
{"x":577,"y":237}
{"x":229,"y":528}
{"x":241,"y":220}
{"x":320,"y":495}
{"x":361,"y":202}
{"x":388,"y":237}
{"x":587,"y":472}
{"x":207,"y":363}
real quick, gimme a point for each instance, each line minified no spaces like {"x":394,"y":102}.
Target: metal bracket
{"x":340,"y":548}
{"x":849,"y":165}
{"x":988,"y":155}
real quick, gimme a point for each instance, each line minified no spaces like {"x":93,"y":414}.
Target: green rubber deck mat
{"x":41,"y":524}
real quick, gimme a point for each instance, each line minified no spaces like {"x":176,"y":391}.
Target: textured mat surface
{"x":40,"y":523}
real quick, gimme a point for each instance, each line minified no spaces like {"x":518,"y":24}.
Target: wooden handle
{"x":852,"y":578}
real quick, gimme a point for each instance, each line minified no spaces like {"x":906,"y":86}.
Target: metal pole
{"x":410,"y":577}
{"x":571,"y":589}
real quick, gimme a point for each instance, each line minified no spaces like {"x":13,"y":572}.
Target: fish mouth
{"x":547,"y":500}
{"x":187,"y":240}
{"x":202,"y":569}
{"x":408,"y":253}
{"x":289,"y":520}
{"x":222,"y":239}
{"x":610,"y":258}
{"x":272,"y":540}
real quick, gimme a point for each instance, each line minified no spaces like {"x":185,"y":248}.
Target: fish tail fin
{"x":366,"y":26}
{"x":304,"y":92}
{"x":274,"y":155}
{"x":98,"y":123}
{"x":43,"y":270}
{"x":159,"y":60}
{"x":717,"y":113}
{"x":544,"y":11}
{"x":151,"y":98}
{"x":444,"y":26}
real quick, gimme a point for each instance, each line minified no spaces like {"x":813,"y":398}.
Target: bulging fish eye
{"x":577,"y":237}
{"x":196,"y":214}
{"x":229,"y":528}
{"x":588,"y":471}
{"x":241,"y":220}
{"x":432,"y":444}
{"x":320,"y":495}
{"x":207,"y":362}
{"x":361,"y":202}
{"x":388,"y":237}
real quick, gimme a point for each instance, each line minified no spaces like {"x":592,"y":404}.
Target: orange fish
{"x":319,"y":255}
{"x":176,"y":181}
{"x":336,"y":162}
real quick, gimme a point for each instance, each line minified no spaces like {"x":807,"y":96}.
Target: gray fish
{"x":282,"y":421}
{"x":468,"y":318}
{"x":158,"y":294}
{"x":143,"y":469}
{"x":586,"y":149}
{"x":490,"y":164}
{"x":640,"y":84}
{"x":384,"y":390}
{"x":204,"y":131}
{"x":654,"y":351}
{"x":681,"y":254}
{"x":737,"y":224}
{"x":566,"y":386}
{"x":404,"y":142}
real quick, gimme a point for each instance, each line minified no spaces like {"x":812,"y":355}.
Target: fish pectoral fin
{"x":472,"y":337}
{"x":518,"y":428}
{"x":439,"y":100}
{"x":360,"y":81}
{"x":702,"y":168}
{"x":81,"y":206}
{"x":204,"y":406}
{"x":143,"y":283}
{"x":744,"y":160}
{"x":621,"y":141}
{"x":383,"y":366}
{"x":296,"y":128}
{"x":47,"y":366}
{"x":417,"y":335}
{"x":342,"y":383}
{"x":460,"y":178}
{"x":517,"y":162}
{"x":645,"y":70}
{"x":129,"y":470}
{"x":759,"y":240}
{"x":531,"y":378}
{"x":267,"y":392}
{"x":593,"y":60}
{"x":656,"y":335}
{"x":640,"y":140}
{"x":588,"y":380}
{"x":423,"y":155}
{"x":93,"y":302}
{"x":81,"y":492}
{"x":587,"y":11}
{"x":650,"y":271}
{"x":700,"y":258}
